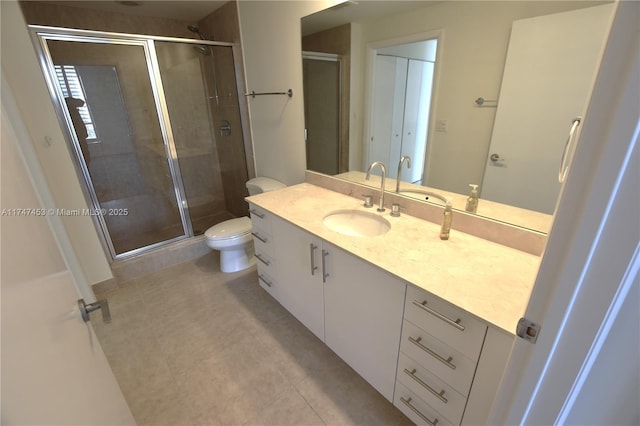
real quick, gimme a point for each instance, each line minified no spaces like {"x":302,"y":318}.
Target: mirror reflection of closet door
{"x":401,"y":100}
{"x":321,"y":76}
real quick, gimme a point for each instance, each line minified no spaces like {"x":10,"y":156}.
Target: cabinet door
{"x":299,"y":274}
{"x":363,"y":317}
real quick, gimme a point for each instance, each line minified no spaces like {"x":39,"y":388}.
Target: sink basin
{"x":356,"y":223}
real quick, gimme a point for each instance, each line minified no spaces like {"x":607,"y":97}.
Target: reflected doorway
{"x":322,"y":112}
{"x":401,"y":96}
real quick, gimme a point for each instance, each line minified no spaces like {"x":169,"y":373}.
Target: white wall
{"x":271,"y":42}
{"x":29,"y":250}
{"x":21,"y":70}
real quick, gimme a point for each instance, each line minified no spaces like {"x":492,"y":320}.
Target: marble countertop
{"x":488,"y":280}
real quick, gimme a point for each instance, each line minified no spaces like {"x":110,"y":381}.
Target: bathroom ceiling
{"x":182,"y":10}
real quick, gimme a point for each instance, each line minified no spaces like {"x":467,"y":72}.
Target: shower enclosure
{"x":155,"y":127}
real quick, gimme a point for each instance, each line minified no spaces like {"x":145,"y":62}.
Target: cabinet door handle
{"x":424,"y":307}
{"x":257,"y":213}
{"x":325,"y":274}
{"x":264,"y":280}
{"x":266,"y":262}
{"x":408,"y":403}
{"x":312,"y":248}
{"x":260,"y":237}
{"x":439,"y":395}
{"x":446,"y":361}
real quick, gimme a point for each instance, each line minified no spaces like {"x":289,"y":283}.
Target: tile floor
{"x":190,"y":345}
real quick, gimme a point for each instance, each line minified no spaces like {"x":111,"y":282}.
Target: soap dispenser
{"x":472,"y":201}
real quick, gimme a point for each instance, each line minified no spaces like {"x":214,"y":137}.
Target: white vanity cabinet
{"x":300,"y":288}
{"x":264,"y":249}
{"x":353,"y":306}
{"x":433,"y":360}
{"x":450,"y":363}
{"x":363,"y":316}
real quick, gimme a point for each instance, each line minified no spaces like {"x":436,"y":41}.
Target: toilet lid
{"x":229,"y":229}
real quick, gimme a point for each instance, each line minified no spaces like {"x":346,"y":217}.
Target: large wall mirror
{"x":474,"y":92}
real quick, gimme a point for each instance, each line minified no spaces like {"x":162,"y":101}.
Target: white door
{"x":53,"y":368}
{"x":416,"y":118}
{"x":547,"y":78}
{"x":385,"y":131}
{"x":584,"y":367}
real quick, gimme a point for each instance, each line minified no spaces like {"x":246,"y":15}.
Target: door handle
{"x":85,"y":310}
{"x":495,"y":158}
{"x":564,"y":162}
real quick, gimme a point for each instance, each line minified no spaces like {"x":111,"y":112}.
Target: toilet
{"x":233,"y":237}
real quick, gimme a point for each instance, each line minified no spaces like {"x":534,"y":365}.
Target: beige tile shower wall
{"x":230,"y":147}
{"x":222,"y":24}
{"x":187,"y":97}
{"x":43,"y":13}
{"x":337,"y":40}
{"x":235,"y":151}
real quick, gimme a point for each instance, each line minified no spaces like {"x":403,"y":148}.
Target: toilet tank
{"x":259,"y":185}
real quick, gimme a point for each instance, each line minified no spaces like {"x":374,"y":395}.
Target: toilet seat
{"x":232,"y":228}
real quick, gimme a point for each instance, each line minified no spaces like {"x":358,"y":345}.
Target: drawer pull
{"x":446,"y":362}
{"x":423,"y":306}
{"x":325,"y":274}
{"x":258,"y":236}
{"x":257,"y":213}
{"x":312,"y":248}
{"x":264,"y":280}
{"x":266,"y":262}
{"x":439,"y":395}
{"x":408,"y":403}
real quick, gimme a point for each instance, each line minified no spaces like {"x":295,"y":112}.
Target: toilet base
{"x":237,"y":259}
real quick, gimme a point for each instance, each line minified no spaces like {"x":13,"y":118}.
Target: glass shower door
{"x":199,"y":86}
{"x":108,"y":94}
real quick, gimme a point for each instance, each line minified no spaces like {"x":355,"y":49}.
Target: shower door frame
{"x":40,"y":35}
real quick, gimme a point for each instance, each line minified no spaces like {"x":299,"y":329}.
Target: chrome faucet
{"x":404,"y":157}
{"x":445,"y":229}
{"x":384,"y":173}
{"x":446,"y":222}
{"x":448,"y":213}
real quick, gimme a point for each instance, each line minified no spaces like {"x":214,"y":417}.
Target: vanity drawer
{"x":263,"y":242}
{"x":265,"y":263}
{"x":447,"y":323}
{"x":431,"y":389}
{"x":260,"y":218}
{"x":266,"y":281}
{"x":416,"y":409}
{"x":451,"y":366}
